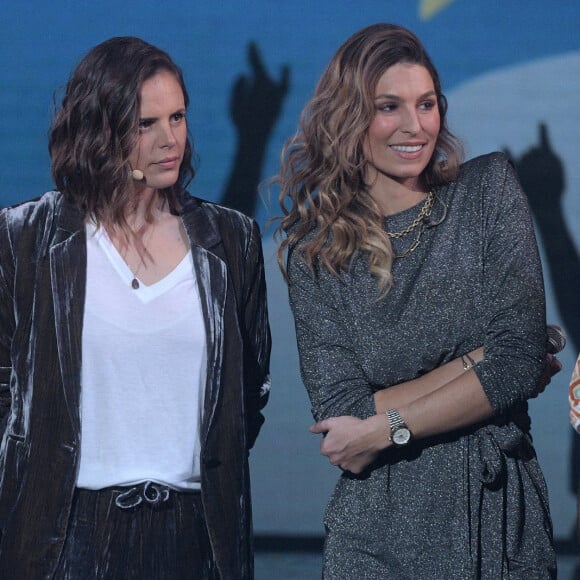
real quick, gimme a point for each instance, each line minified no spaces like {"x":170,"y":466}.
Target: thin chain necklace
{"x":135,"y":284}
{"x":425,"y":211}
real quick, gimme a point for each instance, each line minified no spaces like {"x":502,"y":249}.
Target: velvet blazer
{"x":42,"y":295}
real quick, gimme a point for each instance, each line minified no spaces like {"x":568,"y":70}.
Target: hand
{"x":256,"y":99}
{"x":541,"y":174}
{"x":352,"y":443}
{"x":552,"y":366}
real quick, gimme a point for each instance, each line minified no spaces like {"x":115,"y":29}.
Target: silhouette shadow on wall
{"x":255,"y":106}
{"x":541,"y":173}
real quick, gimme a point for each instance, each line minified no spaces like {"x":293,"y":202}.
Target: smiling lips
{"x":407,"y":148}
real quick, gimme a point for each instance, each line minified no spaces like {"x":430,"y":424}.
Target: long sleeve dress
{"x":466,"y":504}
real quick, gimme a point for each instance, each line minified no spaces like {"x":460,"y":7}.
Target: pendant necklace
{"x":135,"y":284}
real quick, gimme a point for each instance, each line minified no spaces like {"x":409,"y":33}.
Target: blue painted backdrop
{"x":506,"y":67}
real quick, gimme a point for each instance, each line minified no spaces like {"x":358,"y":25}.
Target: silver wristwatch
{"x":400,"y":433}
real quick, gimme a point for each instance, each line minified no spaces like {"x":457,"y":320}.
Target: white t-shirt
{"x":143,"y":374}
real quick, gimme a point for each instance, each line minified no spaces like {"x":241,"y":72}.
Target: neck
{"x":146,"y":208}
{"x":393,"y":195}
{"x":396,"y":199}
{"x":142,"y":214}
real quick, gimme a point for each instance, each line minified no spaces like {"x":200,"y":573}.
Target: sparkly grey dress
{"x":469,"y":504}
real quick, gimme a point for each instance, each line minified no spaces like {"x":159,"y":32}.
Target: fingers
{"x":320,"y":427}
{"x":544,"y":139}
{"x":553,"y":365}
{"x":261,"y":73}
{"x":508,"y":152}
{"x":256,"y":61}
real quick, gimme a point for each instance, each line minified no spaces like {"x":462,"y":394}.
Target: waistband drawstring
{"x":148,"y":491}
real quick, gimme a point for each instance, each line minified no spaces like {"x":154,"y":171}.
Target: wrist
{"x":378,"y":432}
{"x":399,"y":433}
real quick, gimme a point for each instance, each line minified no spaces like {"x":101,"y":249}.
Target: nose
{"x":167,"y":137}
{"x":410,"y":122}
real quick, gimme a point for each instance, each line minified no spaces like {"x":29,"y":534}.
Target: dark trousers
{"x":146,"y":532}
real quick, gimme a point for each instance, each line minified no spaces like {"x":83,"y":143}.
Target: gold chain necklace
{"x":412,"y":247}
{"x":425,"y":211}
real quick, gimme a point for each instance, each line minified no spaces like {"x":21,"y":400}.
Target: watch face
{"x":401,"y":436}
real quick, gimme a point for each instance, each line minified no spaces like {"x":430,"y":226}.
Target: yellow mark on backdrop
{"x":428,"y":8}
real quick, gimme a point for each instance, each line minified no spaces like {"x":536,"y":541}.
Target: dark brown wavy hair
{"x":323,"y":165}
{"x":97,"y":126}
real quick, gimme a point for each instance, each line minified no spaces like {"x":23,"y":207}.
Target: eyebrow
{"x":182,"y":110}
{"x":397,"y":98}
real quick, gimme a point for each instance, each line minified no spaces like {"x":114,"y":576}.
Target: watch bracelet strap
{"x":395,"y":420}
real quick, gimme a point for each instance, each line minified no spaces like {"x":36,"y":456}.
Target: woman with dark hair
{"x":417,"y":293}
{"x":134,"y":345}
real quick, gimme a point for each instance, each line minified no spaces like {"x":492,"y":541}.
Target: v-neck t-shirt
{"x":143,"y":374}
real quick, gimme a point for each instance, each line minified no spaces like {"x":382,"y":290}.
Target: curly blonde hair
{"x":323,"y":165}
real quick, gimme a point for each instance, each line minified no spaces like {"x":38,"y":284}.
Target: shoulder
{"x":27,"y":227}
{"x":34,"y":208}
{"x":296,"y":248}
{"x":221,"y":216}
{"x":302,"y":269}
{"x":496,"y":163}
{"x":491,"y":178}
{"x":31,"y":216}
{"x":213,"y":225}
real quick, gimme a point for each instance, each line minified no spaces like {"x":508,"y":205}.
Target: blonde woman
{"x":405,"y":266}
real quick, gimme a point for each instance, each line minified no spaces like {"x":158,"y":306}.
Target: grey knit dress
{"x":469,"y":504}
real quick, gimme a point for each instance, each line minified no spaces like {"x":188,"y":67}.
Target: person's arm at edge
{"x":256,"y":336}
{"x":6,"y":318}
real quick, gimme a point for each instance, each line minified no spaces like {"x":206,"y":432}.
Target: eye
{"x":145,"y":124}
{"x":428,"y":105}
{"x":386,"y":107}
{"x":178,"y":117}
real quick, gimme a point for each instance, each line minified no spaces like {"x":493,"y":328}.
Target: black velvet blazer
{"x":42,"y":295}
